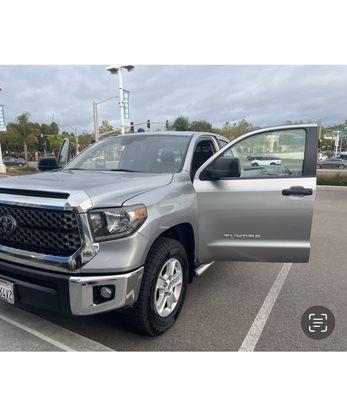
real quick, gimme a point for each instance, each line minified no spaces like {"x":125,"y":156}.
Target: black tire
{"x":255,"y":164}
{"x":143,"y":316}
{"x":341,"y":167}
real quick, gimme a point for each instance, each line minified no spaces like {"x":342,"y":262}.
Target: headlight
{"x":114,"y":223}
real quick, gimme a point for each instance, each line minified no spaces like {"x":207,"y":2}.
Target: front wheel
{"x":341,"y":167}
{"x":163,"y":288}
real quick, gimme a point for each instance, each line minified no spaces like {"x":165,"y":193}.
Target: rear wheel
{"x":255,"y":164}
{"x":163,"y":288}
{"x":341,"y":167}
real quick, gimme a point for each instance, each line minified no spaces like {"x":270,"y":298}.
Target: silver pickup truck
{"x":129,"y":222}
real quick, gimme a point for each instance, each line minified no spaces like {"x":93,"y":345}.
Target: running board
{"x":202,"y":268}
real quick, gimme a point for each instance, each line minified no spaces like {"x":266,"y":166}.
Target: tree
{"x":181,"y":124}
{"x":11,"y":140}
{"x":85,"y":140}
{"x":45,"y":130}
{"x":53,"y":129}
{"x":25,"y":132}
{"x":235,"y":130}
{"x":105,"y":127}
{"x":200,"y":126}
{"x":53,"y":143}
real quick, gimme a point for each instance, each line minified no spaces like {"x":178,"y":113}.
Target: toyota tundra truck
{"x":129,"y":222}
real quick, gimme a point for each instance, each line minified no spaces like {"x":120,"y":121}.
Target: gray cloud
{"x":265,"y":95}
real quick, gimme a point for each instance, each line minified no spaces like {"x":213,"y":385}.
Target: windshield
{"x":134,"y":153}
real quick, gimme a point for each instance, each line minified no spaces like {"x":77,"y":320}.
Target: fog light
{"x":106,"y":292}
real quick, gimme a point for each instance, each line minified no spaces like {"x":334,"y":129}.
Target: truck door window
{"x":203,"y":151}
{"x":271,"y":154}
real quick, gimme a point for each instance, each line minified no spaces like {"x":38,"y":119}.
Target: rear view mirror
{"x":222,"y":167}
{"x":47,"y":164}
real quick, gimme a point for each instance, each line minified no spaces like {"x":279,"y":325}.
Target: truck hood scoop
{"x":35,"y":193}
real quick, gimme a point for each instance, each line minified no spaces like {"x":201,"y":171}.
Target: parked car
{"x":257,"y":161}
{"x":333,"y":162}
{"x":322,"y":157}
{"x":14,"y":161}
{"x":343,"y":156}
{"x":130,"y":233}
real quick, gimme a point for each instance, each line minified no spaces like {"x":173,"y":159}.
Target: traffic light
{"x":148,"y":124}
{"x":131,"y":127}
{"x":167,"y":125}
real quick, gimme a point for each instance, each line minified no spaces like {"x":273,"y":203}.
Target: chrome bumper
{"x":127,"y":287}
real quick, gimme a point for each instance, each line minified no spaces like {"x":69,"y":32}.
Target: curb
{"x":329,"y":187}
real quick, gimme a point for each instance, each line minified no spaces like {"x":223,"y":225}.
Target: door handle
{"x":297,"y":191}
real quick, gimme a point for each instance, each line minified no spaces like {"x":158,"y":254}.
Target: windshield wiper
{"x":122,"y":170}
{"x":101,"y":170}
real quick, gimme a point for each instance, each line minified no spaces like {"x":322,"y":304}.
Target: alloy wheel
{"x":168,"y":287}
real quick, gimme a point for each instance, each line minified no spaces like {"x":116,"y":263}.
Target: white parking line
{"x":37,"y":334}
{"x":54,"y":334}
{"x":259,"y":322}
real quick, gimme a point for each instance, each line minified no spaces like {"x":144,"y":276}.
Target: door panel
{"x":265,"y":214}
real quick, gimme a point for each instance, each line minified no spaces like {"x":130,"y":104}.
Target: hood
{"x":104,"y":188}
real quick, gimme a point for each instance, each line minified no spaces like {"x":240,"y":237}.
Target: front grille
{"x":40,"y":230}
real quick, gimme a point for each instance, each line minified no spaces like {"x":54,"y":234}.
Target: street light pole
{"x":320,"y":130}
{"x":96,"y":122}
{"x":121,"y":101}
{"x":77,"y":145}
{"x":2,"y":165}
{"x":117,"y":69}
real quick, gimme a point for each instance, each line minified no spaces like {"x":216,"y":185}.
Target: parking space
{"x":13,"y":338}
{"x":21,"y":330}
{"x":321,"y":282}
{"x":222,"y":304}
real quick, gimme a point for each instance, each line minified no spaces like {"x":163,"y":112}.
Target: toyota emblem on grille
{"x":8,"y":224}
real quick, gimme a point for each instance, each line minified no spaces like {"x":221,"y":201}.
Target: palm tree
{"x":23,"y":129}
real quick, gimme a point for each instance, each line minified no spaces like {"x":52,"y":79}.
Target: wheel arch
{"x":183,"y":233}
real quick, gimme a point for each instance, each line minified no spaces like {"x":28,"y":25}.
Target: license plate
{"x":7,"y":292}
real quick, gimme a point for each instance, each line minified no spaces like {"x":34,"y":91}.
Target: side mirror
{"x":47,"y":164}
{"x":222,"y":167}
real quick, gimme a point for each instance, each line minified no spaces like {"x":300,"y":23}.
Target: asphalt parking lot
{"x":233,"y":305}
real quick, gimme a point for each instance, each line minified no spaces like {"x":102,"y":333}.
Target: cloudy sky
{"x":264,"y":95}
